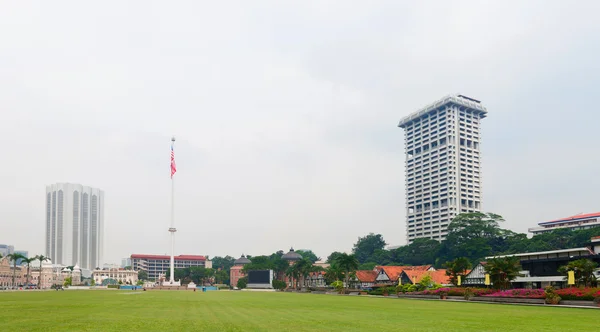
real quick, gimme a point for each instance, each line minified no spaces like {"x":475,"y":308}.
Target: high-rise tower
{"x":75,"y":225}
{"x":443,"y":165}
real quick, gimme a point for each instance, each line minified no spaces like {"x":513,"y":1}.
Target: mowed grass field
{"x":260,"y":311}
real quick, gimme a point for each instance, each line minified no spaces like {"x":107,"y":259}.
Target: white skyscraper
{"x":443,"y":165}
{"x":75,"y":225}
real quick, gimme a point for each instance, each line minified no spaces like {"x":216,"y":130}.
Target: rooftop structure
{"x":292,"y":256}
{"x":443,"y":164}
{"x":576,"y":222}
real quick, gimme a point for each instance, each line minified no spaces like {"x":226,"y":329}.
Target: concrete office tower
{"x":443,"y":165}
{"x":75,"y":225}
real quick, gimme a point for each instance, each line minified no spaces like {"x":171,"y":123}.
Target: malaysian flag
{"x":173,"y":167}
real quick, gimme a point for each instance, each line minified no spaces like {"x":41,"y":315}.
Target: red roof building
{"x":576,"y":222}
{"x":156,"y":265}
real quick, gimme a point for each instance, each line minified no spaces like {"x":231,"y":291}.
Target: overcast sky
{"x":286,"y":114}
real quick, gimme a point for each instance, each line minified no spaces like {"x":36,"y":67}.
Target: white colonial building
{"x":126,"y":277}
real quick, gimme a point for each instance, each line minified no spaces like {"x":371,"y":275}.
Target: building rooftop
{"x":545,"y":253}
{"x":457,"y":99}
{"x":242,"y":261}
{"x":292,"y":256}
{"x":580,"y":216}
{"x":177,"y":258}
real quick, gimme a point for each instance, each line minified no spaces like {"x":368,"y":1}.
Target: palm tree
{"x":503,"y":270}
{"x":15,"y":257}
{"x":583,"y":270}
{"x":40,"y":258}
{"x":456,"y":268}
{"x":348,"y":263}
{"x":28,"y":262}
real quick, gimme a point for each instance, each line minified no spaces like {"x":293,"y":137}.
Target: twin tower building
{"x":75,"y":225}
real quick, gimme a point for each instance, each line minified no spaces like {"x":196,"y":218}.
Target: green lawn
{"x":257,"y":311}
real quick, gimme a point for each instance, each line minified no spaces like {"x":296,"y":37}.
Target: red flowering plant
{"x":519,"y":293}
{"x":578,"y":294}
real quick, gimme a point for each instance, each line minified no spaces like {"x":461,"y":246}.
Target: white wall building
{"x":443,"y":165}
{"x":574,"y":223}
{"x":75,"y":225}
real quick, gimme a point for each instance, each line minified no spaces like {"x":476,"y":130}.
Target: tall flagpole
{"x":172,"y":229}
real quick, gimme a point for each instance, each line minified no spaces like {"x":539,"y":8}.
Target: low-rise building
{"x":114,"y":275}
{"x":366,"y":278}
{"x":576,"y":222}
{"x":388,"y":275}
{"x":8,"y":271}
{"x":157,"y":265}
{"x":236,"y":271}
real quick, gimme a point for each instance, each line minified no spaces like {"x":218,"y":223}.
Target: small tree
{"x":348,"y":263}
{"x":93,"y":282}
{"x":67,"y":282}
{"x":279,"y":285}
{"x":338,"y":285}
{"x":503,"y":270}
{"x":242,"y":283}
{"x":583,"y":270}
{"x":456,"y":268}
{"x":142,"y":275}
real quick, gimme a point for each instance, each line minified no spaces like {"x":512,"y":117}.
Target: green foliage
{"x":583,"y":270}
{"x":348,"y":264}
{"x":242,"y":283}
{"x":279,"y":285}
{"x":308,"y":254}
{"x":366,"y":246}
{"x":139,"y":282}
{"x":457,"y":267}
{"x":338,"y":285}
{"x":68,"y":282}
{"x":331,"y":258}
{"x":367,"y":266}
{"x":142,"y":275}
{"x":550,"y":295}
{"x":93,"y":282}
{"x":503,"y":270}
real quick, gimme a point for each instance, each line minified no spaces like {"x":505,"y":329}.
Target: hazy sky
{"x":286,"y":114}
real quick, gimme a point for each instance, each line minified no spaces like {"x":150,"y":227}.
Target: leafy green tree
{"x":583,"y":270}
{"x":14,"y":257}
{"x":139,"y":283}
{"x":69,"y":281}
{"x":366,"y":246}
{"x":333,"y":273}
{"x":503,"y":270}
{"x":242,"y":283}
{"x":93,"y":282}
{"x":348,"y":263}
{"x":456,"y":268}
{"x":308,"y":254}
{"x":420,"y":252}
{"x":143,"y":275}
{"x":331,"y":258}
{"x":367,"y":266}
{"x":279,"y":285}
{"x":222,"y":264}
{"x":471,"y":235}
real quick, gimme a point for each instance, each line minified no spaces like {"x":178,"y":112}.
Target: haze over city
{"x":285,"y":115}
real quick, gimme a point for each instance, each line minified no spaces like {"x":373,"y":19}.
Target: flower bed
{"x":454,"y":291}
{"x":519,"y":293}
{"x":578,"y":294}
